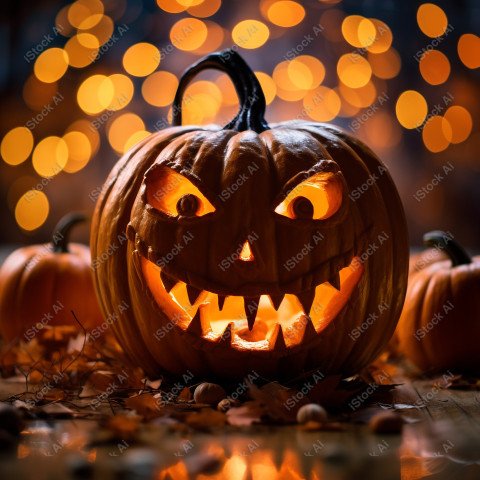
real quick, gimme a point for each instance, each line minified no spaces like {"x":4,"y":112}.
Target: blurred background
{"x":83,"y":81}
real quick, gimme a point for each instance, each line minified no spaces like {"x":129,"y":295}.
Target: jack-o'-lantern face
{"x":247,"y":249}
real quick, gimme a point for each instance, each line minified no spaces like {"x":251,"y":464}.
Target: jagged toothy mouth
{"x":265,"y":322}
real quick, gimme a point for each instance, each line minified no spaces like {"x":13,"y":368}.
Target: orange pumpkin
{"x":41,"y":284}
{"x":440,"y":324}
{"x":252,"y":247}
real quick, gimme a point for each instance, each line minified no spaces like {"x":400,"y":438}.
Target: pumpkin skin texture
{"x":44,"y":283}
{"x":230,"y":282}
{"x":439,"y":324}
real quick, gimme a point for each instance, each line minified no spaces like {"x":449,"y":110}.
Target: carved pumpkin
{"x":41,"y":284}
{"x":245,"y":248}
{"x":439,"y":324}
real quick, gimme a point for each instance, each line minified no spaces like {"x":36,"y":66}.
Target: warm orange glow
{"x":16,"y":145}
{"x":246,"y":253}
{"x":95,"y":94}
{"x":123,"y":91}
{"x":350,"y":27}
{"x":268,"y":86}
{"x":460,"y":121}
{"x":381,"y":132}
{"x":214,"y":40}
{"x":79,"y":151}
{"x":250,"y":34}
{"x":171,"y":6}
{"x":229,"y":95}
{"x":306,"y":72}
{"x":141,"y":59}
{"x":159,"y":88}
{"x":323,"y":190}
{"x":353,"y":70}
{"x":434,"y":67}
{"x":82,"y":49}
{"x":385,"y":65}
{"x":98,"y":25}
{"x":37,"y":94}
{"x":188,"y":34}
{"x":436,"y":134}
{"x":285,"y":13}
{"x":167,"y":187}
{"x":366,"y":32}
{"x":62,"y":24}
{"x":359,"y":97}
{"x":322,"y":104}
{"x":468,"y":48}
{"x":205,"y":9}
{"x":201,"y":102}
{"x":135,"y":138}
{"x":411,"y":109}
{"x":32,"y":210}
{"x":85,"y":127}
{"x":51,"y":65}
{"x":83,"y":9}
{"x":50,"y":156}
{"x":122,"y":128}
{"x":286,"y":89}
{"x":382,"y":39}
{"x":432,"y":20}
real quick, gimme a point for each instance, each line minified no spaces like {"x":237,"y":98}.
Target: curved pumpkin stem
{"x":443,"y":241}
{"x":61,"y":231}
{"x":250,"y":94}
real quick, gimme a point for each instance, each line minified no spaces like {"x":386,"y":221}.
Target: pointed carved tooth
{"x":251,"y":307}
{"x":192,"y":293}
{"x":309,"y":332}
{"x":168,"y":281}
{"x":130,"y":232}
{"x":221,"y":301}
{"x":334,"y":280}
{"x":277,"y":340}
{"x":196,"y":326}
{"x":277,"y":300}
{"x":227,"y":335}
{"x":306,"y":299}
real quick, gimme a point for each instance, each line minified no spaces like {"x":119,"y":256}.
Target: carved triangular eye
{"x":316,"y":198}
{"x":175,"y":195}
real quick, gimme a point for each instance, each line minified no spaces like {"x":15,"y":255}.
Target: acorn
{"x":226,"y":404}
{"x":311,"y":412}
{"x":209,"y":393}
{"x":386,"y":422}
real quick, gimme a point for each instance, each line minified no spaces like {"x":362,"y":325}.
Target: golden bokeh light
{"x":354,"y":70}
{"x":88,"y":129}
{"x":468,"y":49}
{"x":134,"y":139}
{"x":201,"y":102}
{"x":385,"y":65}
{"x":32,"y":210}
{"x":460,"y":121}
{"x":306,"y":72}
{"x":62,"y":25}
{"x":37,"y":94}
{"x":80,"y":10}
{"x":95,"y":94}
{"x":432,"y":20}
{"x":268,"y":86}
{"x":16,"y":145}
{"x":434,"y":67}
{"x":122,"y":128}
{"x":79,"y":151}
{"x":98,"y":25}
{"x":437,"y":134}
{"x":322,"y":104}
{"x":214,"y":40}
{"x":51,"y":65}
{"x":250,"y":34}
{"x":381,"y":132}
{"x":349,"y":27}
{"x":159,"y":88}
{"x":188,"y":34}
{"x":50,"y":156}
{"x":123,"y":91}
{"x":359,"y":97}
{"x":286,"y":89}
{"x":82,"y":49}
{"x":141,"y":59}
{"x":411,"y":109}
{"x":229,"y":95}
{"x":383,"y":37}
{"x":285,"y":13}
{"x":205,"y":9}
{"x":171,"y":6}
{"x":366,"y":32}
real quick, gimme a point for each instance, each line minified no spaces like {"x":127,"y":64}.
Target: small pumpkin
{"x":249,"y":247}
{"x":41,"y":284}
{"x":439,"y":326}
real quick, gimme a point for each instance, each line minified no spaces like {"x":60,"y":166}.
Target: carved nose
{"x":246,"y":254}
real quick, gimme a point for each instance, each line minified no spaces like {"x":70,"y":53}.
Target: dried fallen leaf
{"x":123,"y":426}
{"x":206,"y":419}
{"x":145,"y":405}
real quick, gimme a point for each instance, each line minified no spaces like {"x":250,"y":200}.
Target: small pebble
{"x":209,"y":393}
{"x":11,"y":419}
{"x":312,"y":412}
{"x":226,"y":404}
{"x":386,"y":422}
